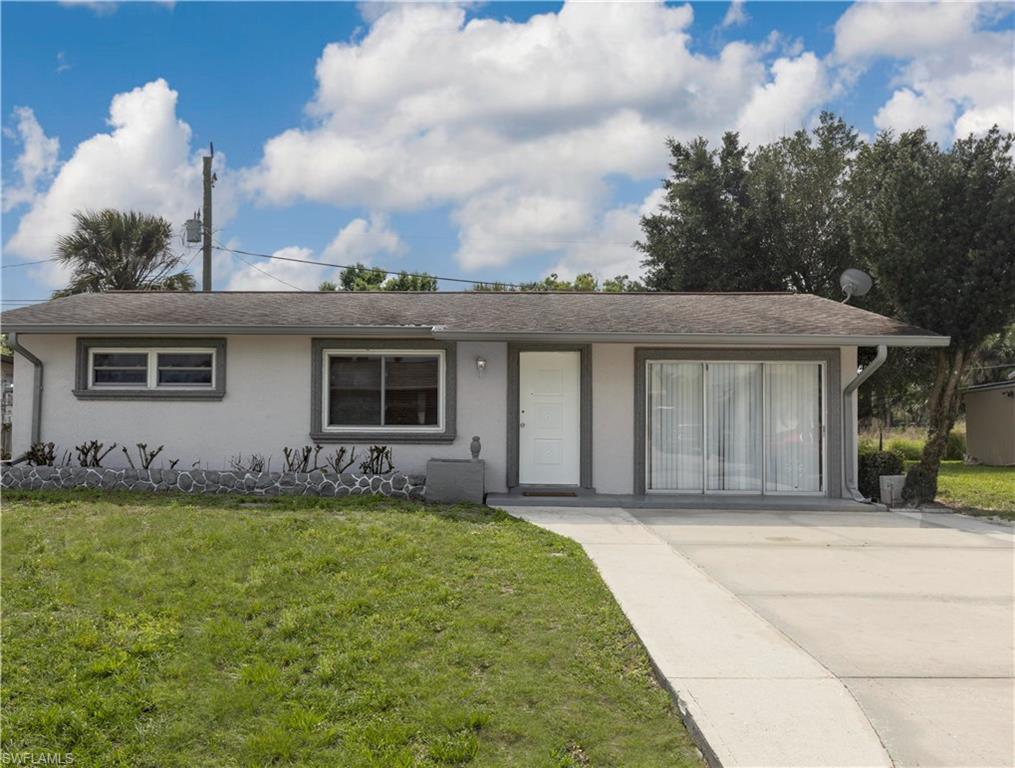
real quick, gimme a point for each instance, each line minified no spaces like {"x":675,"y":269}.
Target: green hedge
{"x":911,"y":449}
{"x":874,"y":464}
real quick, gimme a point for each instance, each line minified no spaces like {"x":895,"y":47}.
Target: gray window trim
{"x":585,"y":410}
{"x":833,"y":399}
{"x":83,"y":391}
{"x":319,"y":434}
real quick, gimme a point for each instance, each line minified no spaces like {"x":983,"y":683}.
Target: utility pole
{"x":209,"y":181}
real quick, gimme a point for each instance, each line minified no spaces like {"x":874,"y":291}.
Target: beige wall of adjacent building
{"x":990,"y":426}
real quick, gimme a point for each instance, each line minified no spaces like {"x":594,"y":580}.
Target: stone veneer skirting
{"x":317,"y":483}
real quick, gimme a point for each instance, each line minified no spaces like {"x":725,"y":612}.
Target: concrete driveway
{"x":820,"y":638}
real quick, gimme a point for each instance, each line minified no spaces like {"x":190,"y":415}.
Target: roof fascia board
{"x":359,"y":331}
{"x":687,"y":339}
{"x":705,"y":339}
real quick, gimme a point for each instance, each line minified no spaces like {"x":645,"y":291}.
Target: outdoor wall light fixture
{"x":480,"y":365}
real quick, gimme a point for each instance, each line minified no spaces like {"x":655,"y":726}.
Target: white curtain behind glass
{"x":733,"y":404}
{"x":675,"y":431}
{"x":794,"y":427}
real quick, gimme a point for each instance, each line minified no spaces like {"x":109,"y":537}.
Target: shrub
{"x":872,"y":466}
{"x":905,"y":448}
{"x":921,"y":486}
{"x":955,"y":448}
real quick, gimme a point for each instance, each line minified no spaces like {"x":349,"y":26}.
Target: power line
{"x":354,"y":266}
{"x":263,"y":272}
{"x":29,"y":263}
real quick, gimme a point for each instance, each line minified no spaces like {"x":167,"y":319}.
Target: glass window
{"x":733,"y":419}
{"x":185,"y":368}
{"x":120,"y":368}
{"x":793,"y":431}
{"x":410,"y":391}
{"x":675,"y":432}
{"x":383,"y":390}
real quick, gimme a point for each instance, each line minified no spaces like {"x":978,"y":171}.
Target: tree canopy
{"x":363,"y":278}
{"x":112,"y":250}
{"x":769,"y":219}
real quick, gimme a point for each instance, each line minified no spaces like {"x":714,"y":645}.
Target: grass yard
{"x":977,"y":489}
{"x":184,"y":631}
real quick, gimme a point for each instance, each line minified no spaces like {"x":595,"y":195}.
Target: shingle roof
{"x":473,"y":314}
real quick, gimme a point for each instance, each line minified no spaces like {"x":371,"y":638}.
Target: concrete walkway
{"x":817,"y":638}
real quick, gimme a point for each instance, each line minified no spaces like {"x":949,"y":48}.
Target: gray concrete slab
{"x":819,"y":638}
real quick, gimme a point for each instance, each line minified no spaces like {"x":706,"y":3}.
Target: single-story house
{"x":629,"y":393}
{"x":990,"y":423}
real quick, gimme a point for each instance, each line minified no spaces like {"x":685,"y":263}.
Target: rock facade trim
{"x":317,"y":483}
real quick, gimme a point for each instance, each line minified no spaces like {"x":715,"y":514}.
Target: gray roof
{"x":758,"y":318}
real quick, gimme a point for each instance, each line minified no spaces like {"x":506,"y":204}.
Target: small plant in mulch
{"x":145,"y":457}
{"x":90,"y":454}
{"x":341,"y":459}
{"x":41,"y":454}
{"x":254,"y":464}
{"x":378,"y":461}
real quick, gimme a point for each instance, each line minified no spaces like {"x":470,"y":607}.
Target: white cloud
{"x":956,"y":74}
{"x":609,"y":250}
{"x":61,"y":62}
{"x":360,"y":240}
{"x":517,"y":125}
{"x":143,"y":163}
{"x":36,"y":162}
{"x":736,"y":14}
{"x":783,"y":105}
{"x":253,"y":274}
{"x":98,"y":7}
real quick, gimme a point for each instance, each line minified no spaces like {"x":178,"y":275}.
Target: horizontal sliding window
{"x":151,"y":368}
{"x":396,"y":390}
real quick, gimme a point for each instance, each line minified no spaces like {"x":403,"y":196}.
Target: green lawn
{"x":183,"y":631}
{"x":977,"y":489}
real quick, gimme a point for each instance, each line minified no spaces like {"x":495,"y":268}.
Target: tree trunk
{"x":942,"y":410}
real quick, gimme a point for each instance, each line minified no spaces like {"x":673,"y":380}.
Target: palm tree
{"x":113,"y":250}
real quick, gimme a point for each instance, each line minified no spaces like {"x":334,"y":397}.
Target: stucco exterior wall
{"x":990,"y":426}
{"x":847,"y":371}
{"x":612,"y":418}
{"x":266,"y":406}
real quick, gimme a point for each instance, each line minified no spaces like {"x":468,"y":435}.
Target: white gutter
{"x":848,"y":423}
{"x":37,"y":386}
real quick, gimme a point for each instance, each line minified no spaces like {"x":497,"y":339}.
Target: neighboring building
{"x":6,"y":403}
{"x":990,"y":423}
{"x":612,"y":393}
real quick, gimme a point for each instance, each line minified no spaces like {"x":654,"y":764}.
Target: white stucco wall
{"x":613,"y":418}
{"x":266,"y":407}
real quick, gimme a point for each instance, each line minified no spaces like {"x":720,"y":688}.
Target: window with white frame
{"x":389,"y":390}
{"x":151,"y":368}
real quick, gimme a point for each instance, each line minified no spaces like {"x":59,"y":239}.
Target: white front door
{"x":548,"y":418}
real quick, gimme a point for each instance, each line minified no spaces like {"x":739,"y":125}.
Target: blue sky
{"x":502,"y":141}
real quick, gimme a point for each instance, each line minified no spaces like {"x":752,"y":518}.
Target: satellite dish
{"x":854,"y":282}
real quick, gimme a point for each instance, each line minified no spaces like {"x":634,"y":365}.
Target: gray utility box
{"x":891,"y":489}
{"x":452,"y":480}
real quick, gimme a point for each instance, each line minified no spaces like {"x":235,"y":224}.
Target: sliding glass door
{"x":737,"y":427}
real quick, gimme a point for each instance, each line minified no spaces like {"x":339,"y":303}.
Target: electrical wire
{"x":333,"y":265}
{"x":29,"y":263}
{"x":268,"y":274}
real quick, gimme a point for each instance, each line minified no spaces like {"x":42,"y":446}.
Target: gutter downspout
{"x":37,"y":387}
{"x":848,"y":435}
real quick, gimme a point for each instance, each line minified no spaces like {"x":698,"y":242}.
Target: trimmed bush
{"x":921,"y":486}
{"x":872,"y":466}
{"x":955,"y":448}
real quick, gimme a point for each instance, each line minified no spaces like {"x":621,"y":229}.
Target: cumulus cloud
{"x":358,"y":241}
{"x":144,"y":162}
{"x":36,"y":162}
{"x":361,"y":239}
{"x":609,"y":250}
{"x":517,"y":125}
{"x":956,"y":72}
{"x":253,"y":274}
{"x":736,"y":14}
{"x":783,"y":104}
